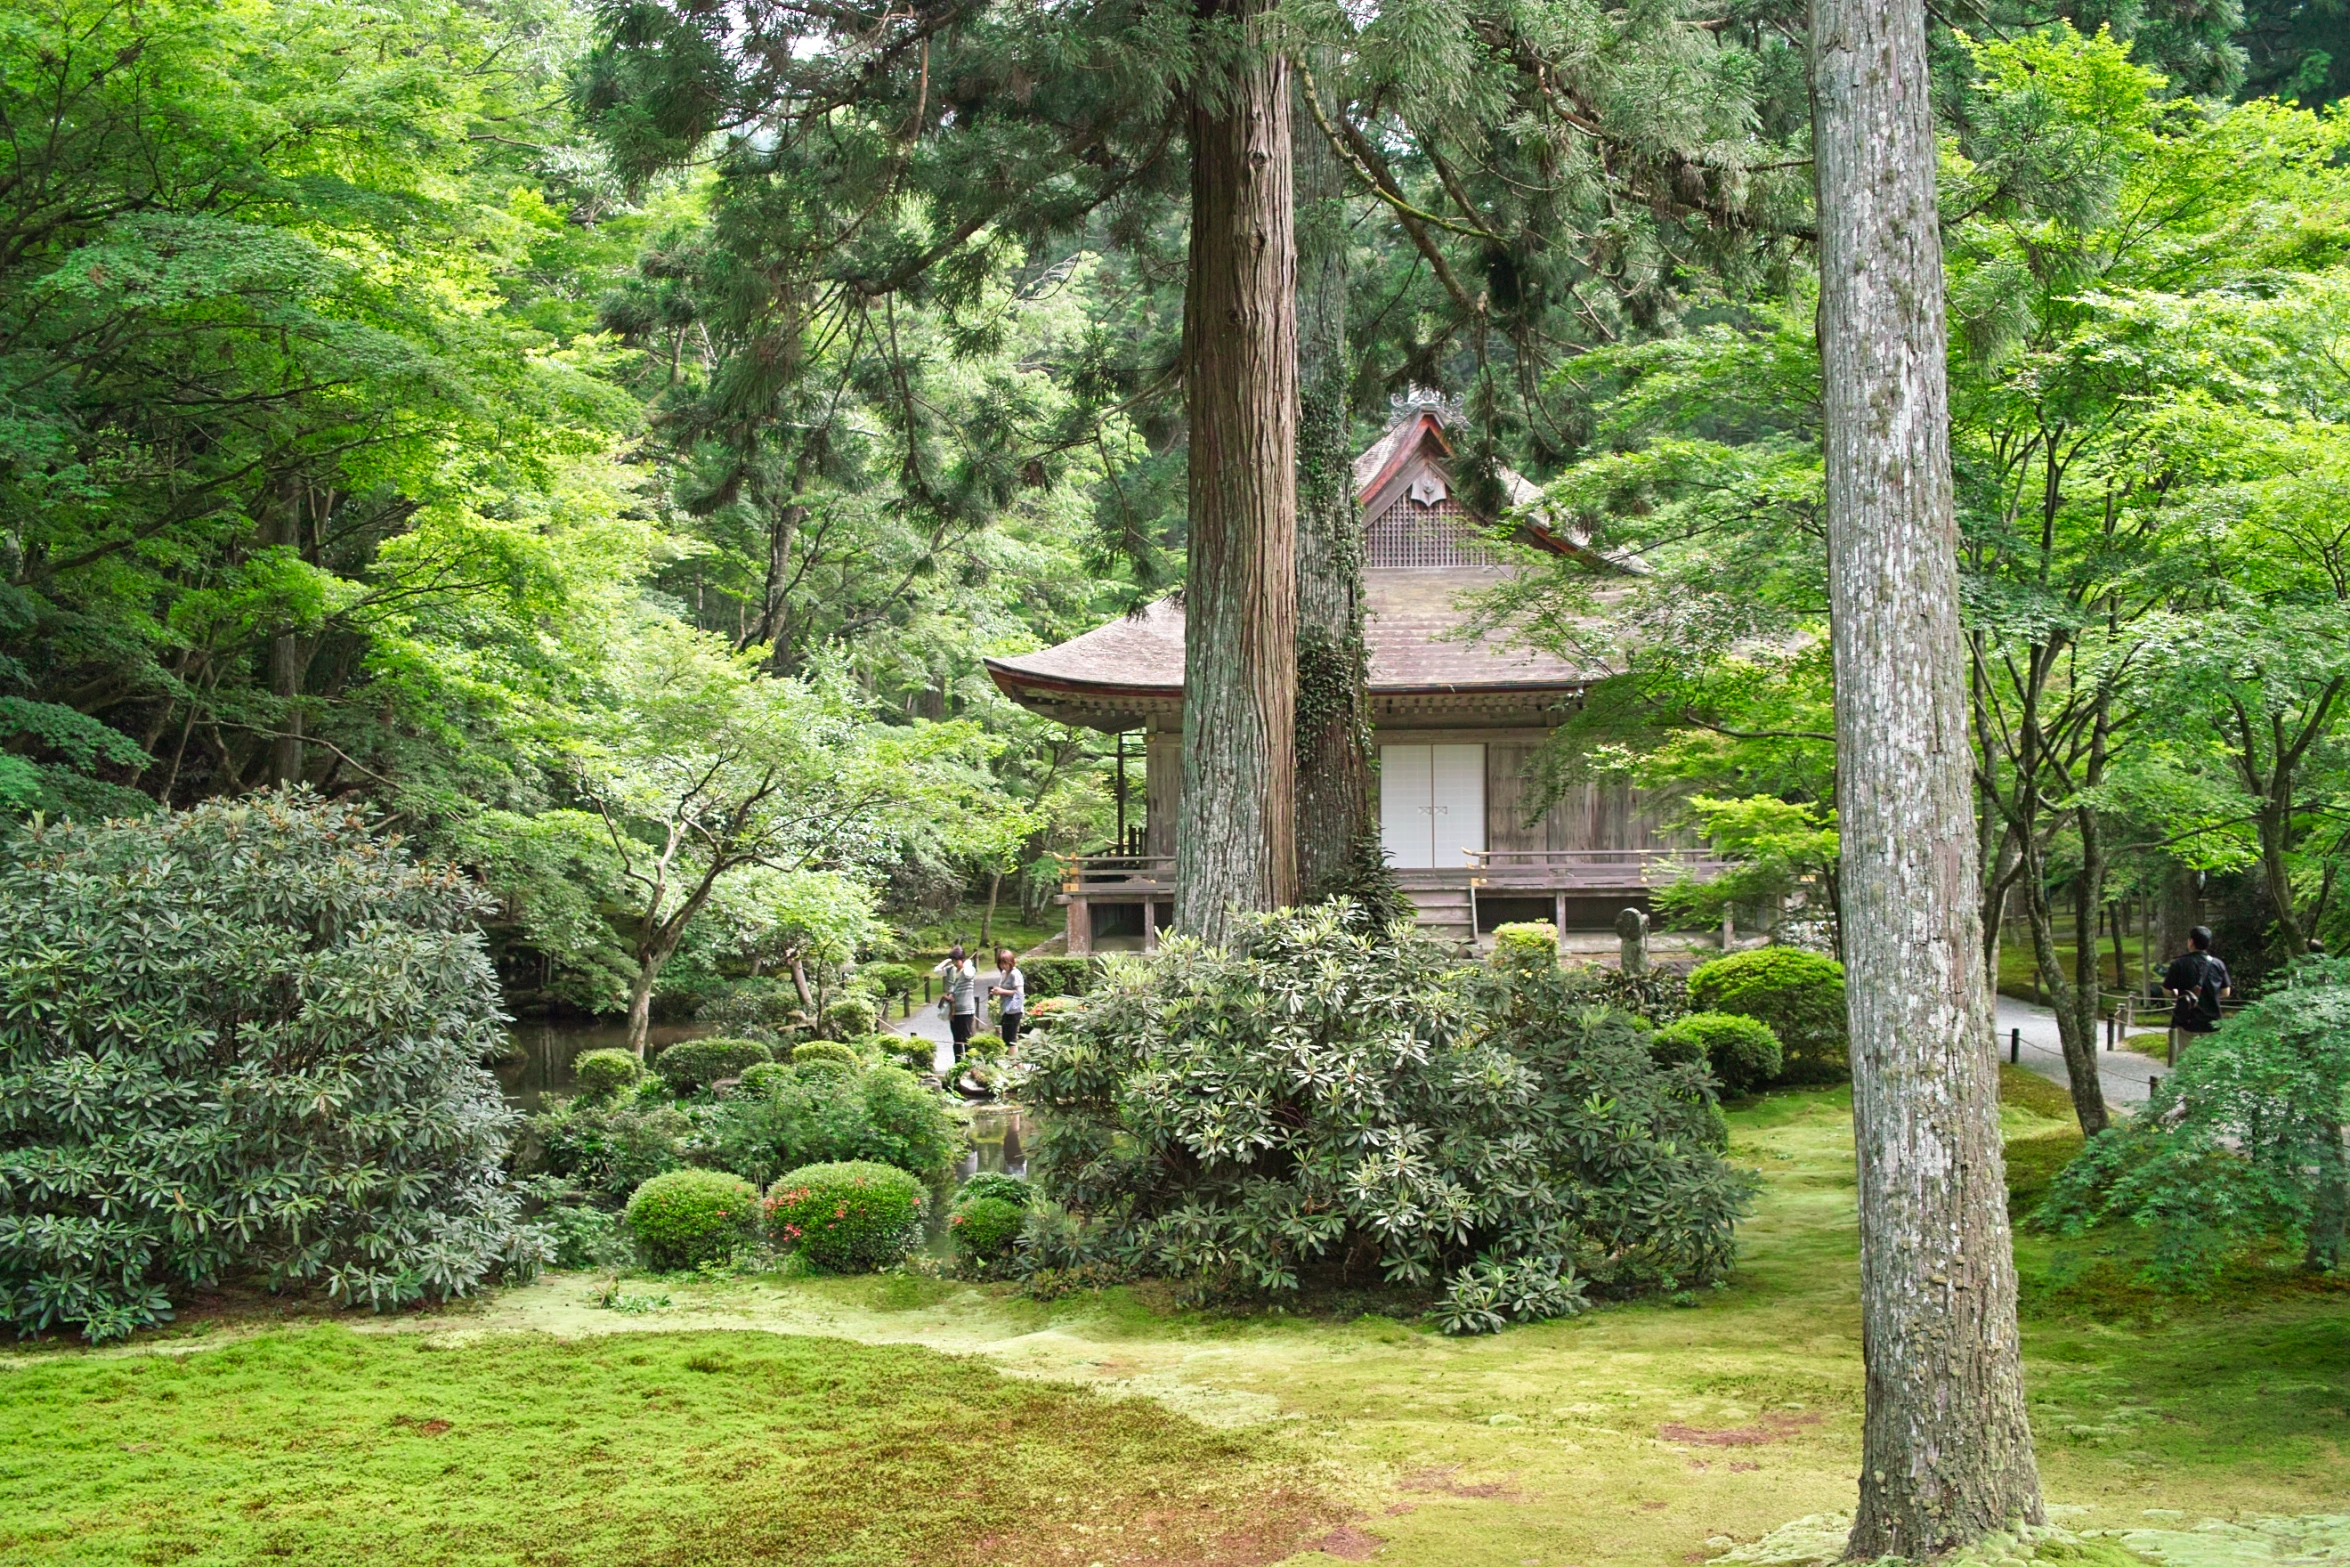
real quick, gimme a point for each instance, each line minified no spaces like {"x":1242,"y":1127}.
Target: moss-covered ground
{"x":818,"y":1421}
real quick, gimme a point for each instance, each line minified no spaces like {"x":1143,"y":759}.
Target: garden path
{"x":2124,"y":1073}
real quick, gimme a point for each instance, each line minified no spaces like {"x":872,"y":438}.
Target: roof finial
{"x":1415,"y":399}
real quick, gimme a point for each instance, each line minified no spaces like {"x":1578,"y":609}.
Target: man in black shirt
{"x":2196,"y":980}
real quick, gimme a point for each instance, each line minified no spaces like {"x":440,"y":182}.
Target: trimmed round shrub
{"x":986,"y":1230}
{"x":850,"y":1017}
{"x":911,"y":1051}
{"x":764,"y":1077}
{"x":1799,"y":994}
{"x":604,"y":1074}
{"x":997,"y":1185}
{"x":824,"y":1050}
{"x":891,"y":979}
{"x":692,"y":1064}
{"x":1049,"y":977}
{"x":848,"y":1218}
{"x":689,"y":1217}
{"x":1530,"y":944}
{"x":1743,"y":1051}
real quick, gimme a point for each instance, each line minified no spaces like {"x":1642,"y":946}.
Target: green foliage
{"x":694,"y":1064}
{"x":849,"y":1217}
{"x":851,"y":1017}
{"x":910,"y":1051}
{"x":2241,"y":1146}
{"x":824,"y":1112}
{"x":769,"y":1010}
{"x":996,"y":1184}
{"x":1532,"y":945}
{"x":894,"y":980}
{"x":688,"y":1217}
{"x":1317,"y":1101}
{"x":1799,"y":994}
{"x":607,"y":1150}
{"x":1655,"y":996}
{"x":1775,"y":850}
{"x":1049,"y":977}
{"x":243,"y":1039}
{"x":605,"y":1074}
{"x":823,"y":1050}
{"x":1742,"y":1051}
{"x":985,"y":1229}
{"x":580,"y":1235}
{"x":765,"y":1077}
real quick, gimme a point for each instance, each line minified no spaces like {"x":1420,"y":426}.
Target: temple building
{"x":1455,"y":722}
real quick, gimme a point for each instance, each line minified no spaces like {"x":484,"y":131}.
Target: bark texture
{"x":1333,"y":669}
{"x":1947,"y":1453}
{"x":1235,"y":845}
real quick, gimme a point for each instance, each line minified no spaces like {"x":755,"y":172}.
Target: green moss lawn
{"x":906,"y":1420}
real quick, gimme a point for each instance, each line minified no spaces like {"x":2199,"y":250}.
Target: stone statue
{"x":1632,"y":931}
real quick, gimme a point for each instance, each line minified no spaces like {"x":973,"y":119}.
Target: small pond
{"x":540,"y":1061}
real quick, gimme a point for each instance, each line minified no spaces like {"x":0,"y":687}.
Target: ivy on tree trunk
{"x":1946,"y":1448}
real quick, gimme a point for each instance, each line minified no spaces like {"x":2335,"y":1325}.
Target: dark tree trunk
{"x":1946,"y":1449}
{"x":774,"y":627}
{"x":1333,"y":672}
{"x":1236,"y":838}
{"x":286,"y":665}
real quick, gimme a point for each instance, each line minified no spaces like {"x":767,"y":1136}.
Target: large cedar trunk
{"x":1236,"y":835}
{"x":1333,"y":696}
{"x":1946,"y":1449}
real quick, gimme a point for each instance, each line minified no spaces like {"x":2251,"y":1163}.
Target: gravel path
{"x":2124,"y":1073}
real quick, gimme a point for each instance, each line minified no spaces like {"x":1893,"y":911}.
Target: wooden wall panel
{"x":1508,"y":793}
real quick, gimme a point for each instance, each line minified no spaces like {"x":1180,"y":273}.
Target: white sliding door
{"x":1431,"y":803}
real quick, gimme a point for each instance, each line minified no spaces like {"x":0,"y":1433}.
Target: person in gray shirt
{"x":962,"y":997}
{"x":1009,"y":987}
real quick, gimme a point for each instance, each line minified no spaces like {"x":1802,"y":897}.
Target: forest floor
{"x":579,"y":1421}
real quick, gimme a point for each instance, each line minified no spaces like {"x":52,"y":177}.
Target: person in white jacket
{"x":962,"y":997}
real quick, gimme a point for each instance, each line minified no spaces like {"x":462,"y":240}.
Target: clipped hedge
{"x":605,"y":1074}
{"x":986,"y":1230}
{"x":826,"y":1111}
{"x":1799,"y":994}
{"x":911,"y":1051}
{"x":994,"y":1183}
{"x":847,"y":1218}
{"x":824,"y":1050}
{"x":1527,"y":944}
{"x":765,"y":1077}
{"x":1742,"y":1051}
{"x":693,"y":1064}
{"x":689,"y":1217}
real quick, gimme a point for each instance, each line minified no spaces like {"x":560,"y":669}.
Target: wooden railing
{"x":1567,"y":870}
{"x":1108,"y":875}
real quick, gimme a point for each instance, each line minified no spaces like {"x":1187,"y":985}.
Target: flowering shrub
{"x":1322,"y":1101}
{"x":243,"y":1039}
{"x":985,"y":1229}
{"x":849,"y":1218}
{"x":689,"y":1217}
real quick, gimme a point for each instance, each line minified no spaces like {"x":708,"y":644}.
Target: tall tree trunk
{"x":774,"y":627}
{"x":1236,"y":843}
{"x":1946,"y":1449}
{"x":1334,"y":837}
{"x":286,"y":667}
{"x":640,"y":1004}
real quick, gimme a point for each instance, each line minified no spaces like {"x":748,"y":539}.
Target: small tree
{"x":787,"y":919}
{"x":704,"y":767}
{"x":2242,"y":1145}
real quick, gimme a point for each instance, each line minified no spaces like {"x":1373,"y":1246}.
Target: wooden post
{"x":2015,"y":1047}
{"x":1558,"y":913}
{"x":1080,"y":940}
{"x":1150,"y":924}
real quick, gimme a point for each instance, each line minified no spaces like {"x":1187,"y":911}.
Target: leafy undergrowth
{"x":323,"y":1445}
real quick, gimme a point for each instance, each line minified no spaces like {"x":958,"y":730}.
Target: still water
{"x":539,"y":1062}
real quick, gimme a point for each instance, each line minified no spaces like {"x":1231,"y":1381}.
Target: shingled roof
{"x":1129,"y":673}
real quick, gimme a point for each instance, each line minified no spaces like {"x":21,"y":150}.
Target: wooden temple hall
{"x":1456,"y":724}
